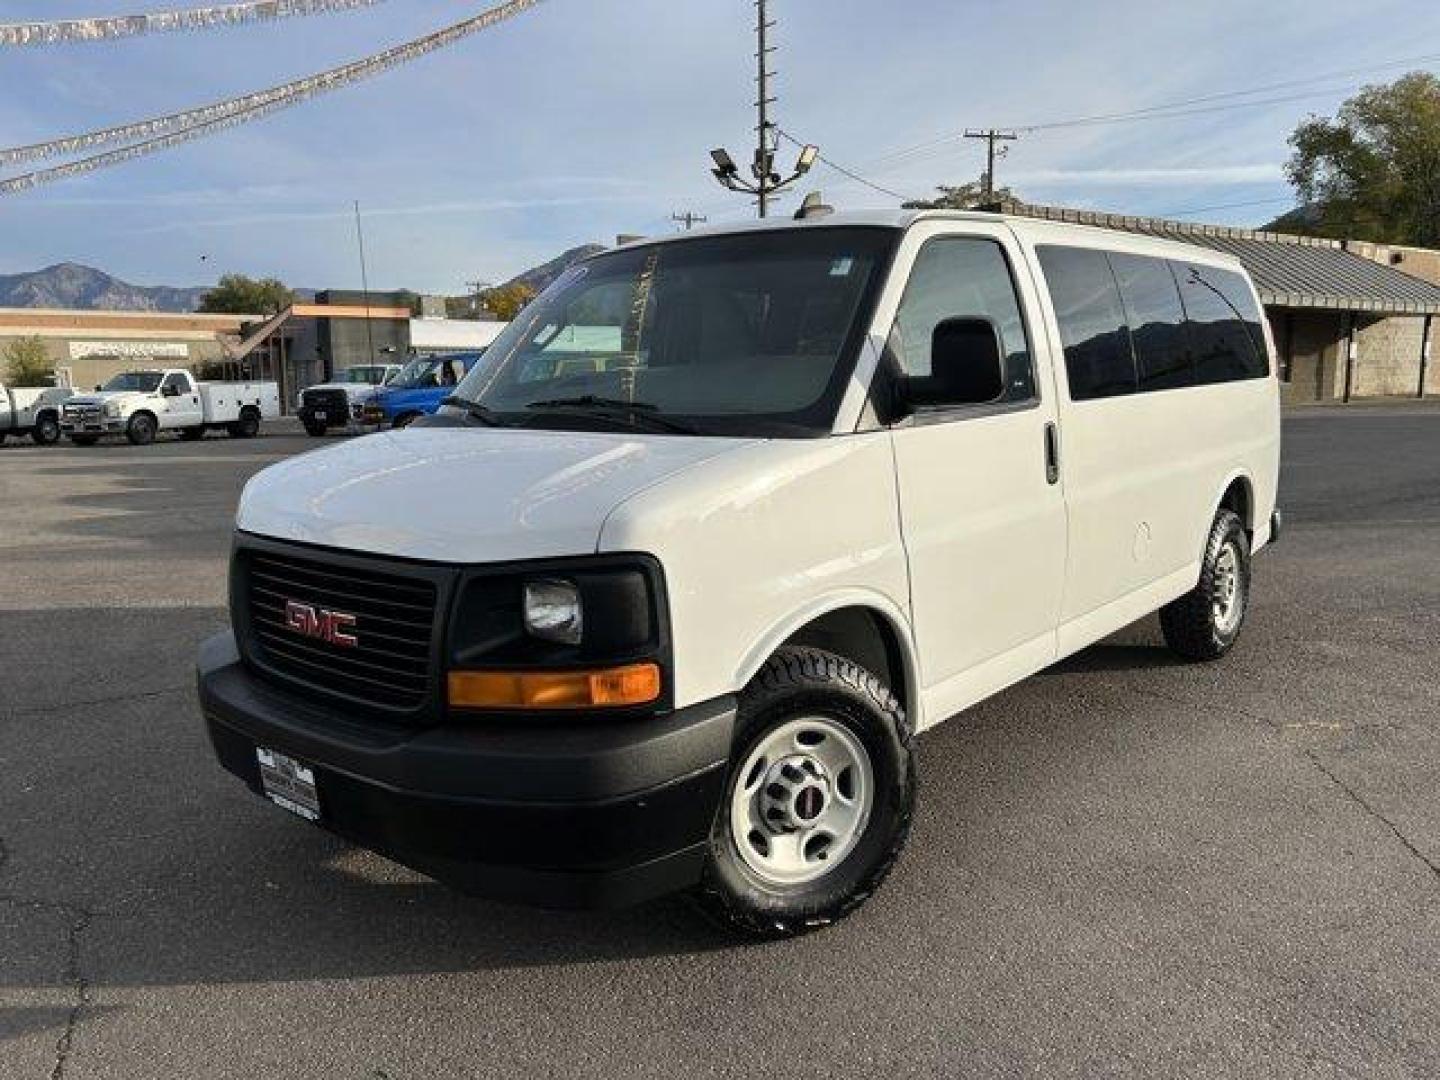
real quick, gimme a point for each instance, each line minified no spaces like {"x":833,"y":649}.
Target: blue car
{"x":419,"y":389}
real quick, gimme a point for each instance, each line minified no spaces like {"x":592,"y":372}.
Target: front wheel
{"x":818,"y":802}
{"x":46,"y":431}
{"x":1205,"y":623}
{"x":141,"y":429}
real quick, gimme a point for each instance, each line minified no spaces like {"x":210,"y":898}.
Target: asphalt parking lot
{"x":1123,"y":867}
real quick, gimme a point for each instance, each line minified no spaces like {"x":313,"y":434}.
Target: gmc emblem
{"x":332,"y":627}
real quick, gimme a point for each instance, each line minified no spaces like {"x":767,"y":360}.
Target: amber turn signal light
{"x":634,"y":684}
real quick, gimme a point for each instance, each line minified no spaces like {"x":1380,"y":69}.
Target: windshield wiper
{"x":617,"y":409}
{"x":475,"y":410}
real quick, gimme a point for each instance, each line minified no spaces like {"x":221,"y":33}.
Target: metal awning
{"x":1289,"y":271}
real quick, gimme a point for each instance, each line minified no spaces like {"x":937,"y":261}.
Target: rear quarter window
{"x":1223,"y":322}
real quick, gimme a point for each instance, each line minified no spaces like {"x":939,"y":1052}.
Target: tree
{"x":964,"y":197}
{"x":505,"y":301}
{"x":28,"y":363}
{"x":237,"y":294}
{"x":1373,"y":172}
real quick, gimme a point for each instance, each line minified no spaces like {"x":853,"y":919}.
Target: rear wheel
{"x":818,"y":802}
{"x":46,"y":431}
{"x":247,"y":427}
{"x":141,"y":429}
{"x":1205,"y":623}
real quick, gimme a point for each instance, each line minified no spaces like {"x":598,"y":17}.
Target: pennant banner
{"x":160,"y":133}
{"x":107,"y":28}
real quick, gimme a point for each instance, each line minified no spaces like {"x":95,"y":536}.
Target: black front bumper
{"x":593,"y":812}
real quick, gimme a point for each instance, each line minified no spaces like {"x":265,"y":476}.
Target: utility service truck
{"x":33,"y":411}
{"x":141,"y":404}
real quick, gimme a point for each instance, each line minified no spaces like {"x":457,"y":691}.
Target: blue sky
{"x":586,"y":118}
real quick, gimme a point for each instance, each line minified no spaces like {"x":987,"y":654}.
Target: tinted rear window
{"x":1157,"y":321}
{"x":1226,"y":340}
{"x":1098,"y":358}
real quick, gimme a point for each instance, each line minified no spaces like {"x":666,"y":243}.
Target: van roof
{"x":1030,"y":228}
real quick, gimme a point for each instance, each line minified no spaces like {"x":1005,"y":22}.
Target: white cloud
{"x":1208,"y":176}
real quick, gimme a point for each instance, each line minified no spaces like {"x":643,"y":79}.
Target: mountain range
{"x":74,"y":286}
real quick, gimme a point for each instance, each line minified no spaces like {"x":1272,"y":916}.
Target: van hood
{"x":465,"y":495}
{"x":100,"y":397}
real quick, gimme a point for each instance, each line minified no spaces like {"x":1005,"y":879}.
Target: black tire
{"x":1193,"y":625}
{"x":806,"y":682}
{"x":192,"y":434}
{"x":141,"y":429}
{"x":314,"y":428}
{"x":84,"y":440}
{"x":406,"y":420}
{"x":47,"y":430}
{"x":247,"y":427}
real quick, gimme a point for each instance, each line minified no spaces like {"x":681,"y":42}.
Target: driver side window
{"x":963,"y":278}
{"x":174,"y":385}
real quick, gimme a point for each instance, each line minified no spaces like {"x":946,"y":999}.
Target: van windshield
{"x":746,"y":334}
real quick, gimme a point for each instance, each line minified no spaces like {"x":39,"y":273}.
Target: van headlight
{"x":584,"y":633}
{"x":553,"y":610}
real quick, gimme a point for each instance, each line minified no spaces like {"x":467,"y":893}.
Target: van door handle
{"x":1052,"y":454}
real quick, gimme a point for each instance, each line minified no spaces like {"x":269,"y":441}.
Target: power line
{"x":107,"y":28}
{"x":1227,"y":206}
{"x":176,"y":128}
{"x":948,"y":138}
{"x":842,"y":170}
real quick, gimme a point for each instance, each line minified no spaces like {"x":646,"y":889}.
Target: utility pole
{"x":768,"y":183}
{"x":364,"y":284}
{"x":689,"y":219}
{"x":991,"y":137}
{"x":765,"y":174}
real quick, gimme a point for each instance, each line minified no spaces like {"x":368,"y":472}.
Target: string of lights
{"x":111,"y":27}
{"x":163,"y":132}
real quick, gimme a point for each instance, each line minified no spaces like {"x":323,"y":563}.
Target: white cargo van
{"x":141,"y":404}
{"x":669,"y":613}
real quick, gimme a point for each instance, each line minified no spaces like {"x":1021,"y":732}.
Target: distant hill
{"x":84,"y":288}
{"x":1302,"y":221}
{"x":540,"y":277}
{"x":71,"y":285}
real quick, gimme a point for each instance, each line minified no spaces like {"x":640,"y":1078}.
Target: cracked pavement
{"x":1123,"y":867}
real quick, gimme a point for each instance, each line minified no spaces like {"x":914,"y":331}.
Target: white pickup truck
{"x":33,"y":411}
{"x":141,"y":404}
{"x":341,"y":402}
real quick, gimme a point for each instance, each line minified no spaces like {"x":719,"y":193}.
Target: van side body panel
{"x":1145,"y":472}
{"x":758,"y":542}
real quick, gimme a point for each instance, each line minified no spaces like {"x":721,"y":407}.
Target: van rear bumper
{"x":594,"y":813}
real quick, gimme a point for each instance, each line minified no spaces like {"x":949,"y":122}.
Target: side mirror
{"x":170,"y":390}
{"x":98,"y":388}
{"x":966,"y":367}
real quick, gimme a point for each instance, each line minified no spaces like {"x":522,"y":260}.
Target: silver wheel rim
{"x":801,"y":801}
{"x":1227,"y":599}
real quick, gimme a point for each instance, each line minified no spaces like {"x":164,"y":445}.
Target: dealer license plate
{"x":289,"y":784}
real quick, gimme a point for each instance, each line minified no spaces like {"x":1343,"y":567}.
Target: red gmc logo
{"x":332,"y":627}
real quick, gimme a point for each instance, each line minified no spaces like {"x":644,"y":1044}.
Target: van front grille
{"x":361,"y":634}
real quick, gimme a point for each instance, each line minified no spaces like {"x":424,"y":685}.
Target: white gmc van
{"x":661,"y":597}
